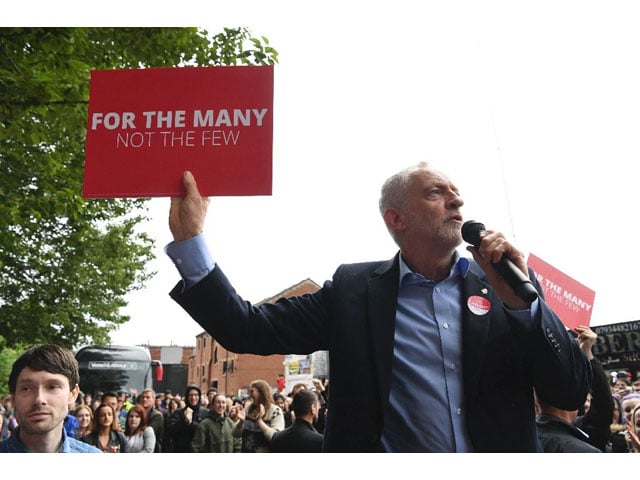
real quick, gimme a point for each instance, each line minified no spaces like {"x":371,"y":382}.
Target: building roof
{"x":305,"y":286}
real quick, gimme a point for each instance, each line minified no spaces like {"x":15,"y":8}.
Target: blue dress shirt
{"x":426,"y":403}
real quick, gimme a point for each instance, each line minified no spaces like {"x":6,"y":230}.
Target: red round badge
{"x":478,"y":305}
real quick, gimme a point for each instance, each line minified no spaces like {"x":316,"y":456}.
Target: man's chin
{"x":37,"y":428}
{"x":453,"y":237}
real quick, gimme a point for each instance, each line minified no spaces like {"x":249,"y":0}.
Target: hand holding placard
{"x":187,"y":214}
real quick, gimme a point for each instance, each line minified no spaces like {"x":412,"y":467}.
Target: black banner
{"x":618,"y":345}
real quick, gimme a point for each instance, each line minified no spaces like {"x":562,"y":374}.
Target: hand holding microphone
{"x":507,"y":270}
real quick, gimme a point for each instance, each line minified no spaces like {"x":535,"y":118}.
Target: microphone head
{"x":471,"y":231}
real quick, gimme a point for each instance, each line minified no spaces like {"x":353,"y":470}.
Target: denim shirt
{"x":69,"y":445}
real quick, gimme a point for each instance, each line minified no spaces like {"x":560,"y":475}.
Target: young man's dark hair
{"x":303,"y":401}
{"x":301,"y":436}
{"x":109,"y":395}
{"x":46,"y":357}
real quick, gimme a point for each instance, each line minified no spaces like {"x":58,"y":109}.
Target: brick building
{"x":211,"y":365}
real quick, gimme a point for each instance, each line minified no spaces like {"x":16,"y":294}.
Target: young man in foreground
{"x":42,"y":383}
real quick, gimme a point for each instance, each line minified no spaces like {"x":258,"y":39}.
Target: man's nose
{"x":39,"y":398}
{"x":455,"y":200}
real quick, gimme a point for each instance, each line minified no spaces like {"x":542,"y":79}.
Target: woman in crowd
{"x":259,"y":420}
{"x":106,"y":435}
{"x":172,"y":408}
{"x":620,"y":437}
{"x":281,"y":401}
{"x":628,"y":403}
{"x":633,"y":430}
{"x":140,"y":439}
{"x":84,"y":414}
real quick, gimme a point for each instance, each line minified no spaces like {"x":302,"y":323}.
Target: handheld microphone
{"x":517,"y":280}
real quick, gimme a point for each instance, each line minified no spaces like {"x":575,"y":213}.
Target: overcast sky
{"x":532,"y":108}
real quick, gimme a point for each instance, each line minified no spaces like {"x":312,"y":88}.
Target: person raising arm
{"x":427,"y":325}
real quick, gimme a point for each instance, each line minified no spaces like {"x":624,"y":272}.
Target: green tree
{"x":7,"y":357}
{"x":67,"y":264}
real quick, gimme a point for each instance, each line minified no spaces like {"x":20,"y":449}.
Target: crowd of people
{"x":113,"y":422}
{"x":268,"y":420}
{"x":600,"y":425}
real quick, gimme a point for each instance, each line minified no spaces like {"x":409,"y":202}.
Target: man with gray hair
{"x":427,"y":327}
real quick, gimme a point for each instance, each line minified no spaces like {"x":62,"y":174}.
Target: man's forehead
{"x":36,"y":376}
{"x":432,"y":176}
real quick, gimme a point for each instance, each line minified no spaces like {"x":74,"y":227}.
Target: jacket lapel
{"x":475,"y":328}
{"x":382,"y":299}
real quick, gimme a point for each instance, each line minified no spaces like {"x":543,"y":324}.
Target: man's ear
{"x":393,"y":219}
{"x":73,"y":393}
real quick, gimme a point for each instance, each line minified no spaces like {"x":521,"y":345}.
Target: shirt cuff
{"x":192,"y":259}
{"x":525,"y":318}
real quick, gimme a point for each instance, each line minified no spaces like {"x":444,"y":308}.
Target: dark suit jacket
{"x":155,"y":420}
{"x":353,"y":316}
{"x":300,"y":437}
{"x":558,"y":436}
{"x":597,"y":421}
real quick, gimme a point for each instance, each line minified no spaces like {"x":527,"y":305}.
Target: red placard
{"x":572,"y":301}
{"x":147,"y":126}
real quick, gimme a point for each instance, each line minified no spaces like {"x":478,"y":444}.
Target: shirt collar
{"x":460,"y":266}
{"x":16,"y":445}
